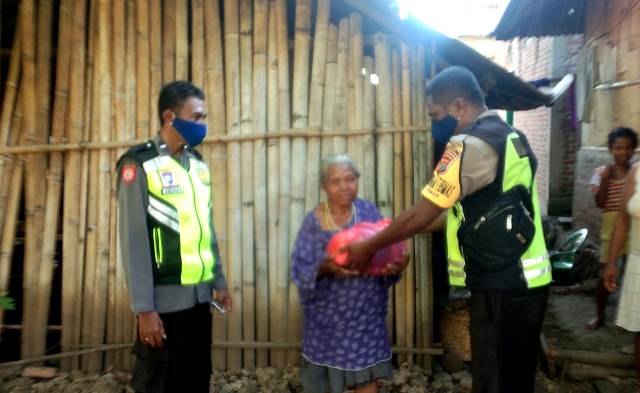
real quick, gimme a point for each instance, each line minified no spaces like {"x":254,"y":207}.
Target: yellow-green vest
{"x":534,"y":267}
{"x":178,"y":220}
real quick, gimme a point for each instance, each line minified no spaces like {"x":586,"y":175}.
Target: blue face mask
{"x":443,"y":129}
{"x":192,"y":132}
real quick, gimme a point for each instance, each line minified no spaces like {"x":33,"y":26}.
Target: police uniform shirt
{"x":133,"y":199}
{"x":468,"y":164}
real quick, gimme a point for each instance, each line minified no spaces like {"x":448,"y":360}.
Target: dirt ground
{"x":564,"y":328}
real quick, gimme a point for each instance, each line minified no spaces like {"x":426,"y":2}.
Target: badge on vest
{"x":168,"y":184}
{"x":203,"y":174}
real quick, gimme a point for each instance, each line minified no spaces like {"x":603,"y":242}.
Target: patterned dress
{"x":344,"y":318}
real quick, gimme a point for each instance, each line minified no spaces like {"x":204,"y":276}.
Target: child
{"x":608,"y":183}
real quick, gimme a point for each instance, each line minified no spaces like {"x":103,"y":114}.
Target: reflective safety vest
{"x":516,"y":167}
{"x":178,"y":220}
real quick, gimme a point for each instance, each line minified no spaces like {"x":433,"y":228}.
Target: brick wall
{"x":531,"y":59}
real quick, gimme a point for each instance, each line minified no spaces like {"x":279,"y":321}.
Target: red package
{"x":393,"y":254}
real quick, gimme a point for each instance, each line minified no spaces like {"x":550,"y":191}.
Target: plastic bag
{"x":384,"y":257}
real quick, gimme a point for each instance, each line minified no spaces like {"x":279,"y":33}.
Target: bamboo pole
{"x":155,"y":62}
{"x":273,"y":169}
{"x":397,"y":161}
{"x":342,"y":72}
{"x":214,"y":77}
{"x":9,"y":104}
{"x":369,"y":143}
{"x":89,"y":206}
{"x":71,"y":267}
{"x":316,"y":93}
{"x":260,"y":42}
{"x":117,"y":303}
{"x":101,"y":120}
{"x":284,"y":151}
{"x":15,"y":173}
{"x":197,"y":42}
{"x":384,"y":118}
{"x":35,"y":127}
{"x":54,"y":179}
{"x":426,"y":277}
{"x":356,"y":92}
{"x":300,"y":114}
{"x":234,"y":187}
{"x":142,"y":69}
{"x":408,"y":156}
{"x":329,"y":100}
{"x":169,"y":41}
{"x":246,"y":126}
{"x":182,"y":39}
{"x":128,"y":320}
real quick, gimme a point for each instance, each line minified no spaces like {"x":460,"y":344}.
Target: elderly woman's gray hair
{"x":336,"y":159}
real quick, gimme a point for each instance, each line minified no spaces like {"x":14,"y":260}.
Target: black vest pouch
{"x":496,"y":239}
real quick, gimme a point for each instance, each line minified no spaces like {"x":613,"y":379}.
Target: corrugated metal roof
{"x":537,"y":18}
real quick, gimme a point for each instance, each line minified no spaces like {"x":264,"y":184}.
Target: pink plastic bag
{"x":393,"y":254}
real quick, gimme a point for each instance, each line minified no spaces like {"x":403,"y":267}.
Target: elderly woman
{"x":345,"y":342}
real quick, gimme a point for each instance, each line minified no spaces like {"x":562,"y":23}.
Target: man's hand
{"x":223,"y":297}
{"x":610,"y":277}
{"x":359,"y":254}
{"x":151,"y":329}
{"x":329,"y":268}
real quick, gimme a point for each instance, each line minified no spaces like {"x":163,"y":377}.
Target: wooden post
{"x":342,"y":73}
{"x":234,"y":187}
{"x":260,"y":41}
{"x":318,"y":68}
{"x":197,"y":42}
{"x":284,"y":151}
{"x":214,"y":88}
{"x":300,"y":114}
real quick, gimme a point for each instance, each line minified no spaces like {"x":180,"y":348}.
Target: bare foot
{"x":594,"y":324}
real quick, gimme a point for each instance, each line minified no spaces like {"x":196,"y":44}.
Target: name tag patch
{"x":169,"y":186}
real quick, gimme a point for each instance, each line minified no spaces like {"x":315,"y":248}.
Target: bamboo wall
{"x":279,"y":98}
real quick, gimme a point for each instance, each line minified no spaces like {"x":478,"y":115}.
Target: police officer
{"x":169,"y":248}
{"x":485,"y":182}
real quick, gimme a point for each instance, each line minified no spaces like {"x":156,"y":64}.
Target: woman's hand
{"x":396,"y":269}
{"x":329,"y":268}
{"x":610,"y":277}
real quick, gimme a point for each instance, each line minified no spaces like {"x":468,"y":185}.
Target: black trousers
{"x":184,"y":362}
{"x":505,"y":339}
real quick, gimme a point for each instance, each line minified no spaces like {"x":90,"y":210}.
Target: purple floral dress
{"x":344,"y":318}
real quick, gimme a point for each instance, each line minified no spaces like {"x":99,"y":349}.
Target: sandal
{"x":594,"y":324}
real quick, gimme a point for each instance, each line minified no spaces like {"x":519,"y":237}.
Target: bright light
{"x":374,"y":79}
{"x":456,"y":17}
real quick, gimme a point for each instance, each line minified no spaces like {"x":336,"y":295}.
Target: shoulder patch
{"x":128,"y":173}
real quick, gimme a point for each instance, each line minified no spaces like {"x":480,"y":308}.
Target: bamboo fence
{"x":279,"y":96}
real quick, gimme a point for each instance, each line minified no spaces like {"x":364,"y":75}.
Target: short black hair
{"x":455,"y":82}
{"x":623,"y":132}
{"x":174,"y":94}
